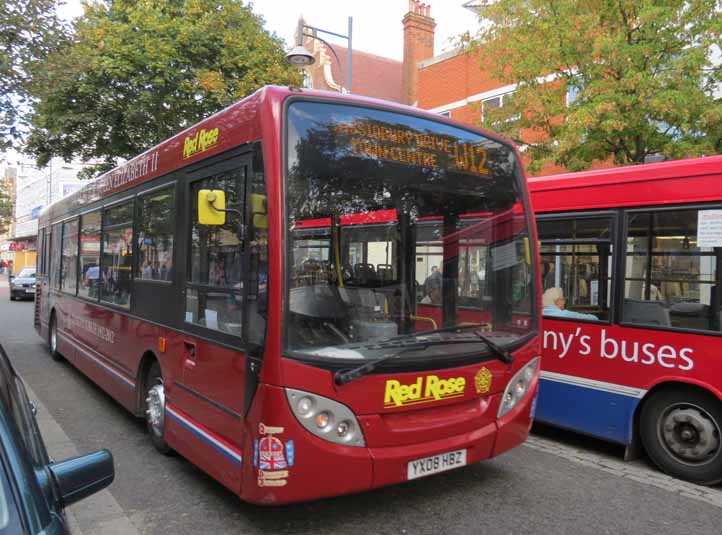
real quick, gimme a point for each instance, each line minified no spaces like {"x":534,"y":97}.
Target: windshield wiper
{"x":501,"y":353}
{"x":343,"y":377}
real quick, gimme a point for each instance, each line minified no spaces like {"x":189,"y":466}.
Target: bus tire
{"x":53,"y":340}
{"x":681,"y":429}
{"x":155,"y":408}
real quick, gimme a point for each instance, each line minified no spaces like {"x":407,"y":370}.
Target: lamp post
{"x":300,"y":56}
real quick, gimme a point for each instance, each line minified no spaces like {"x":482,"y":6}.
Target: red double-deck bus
{"x":634,"y":355}
{"x":289,"y":359}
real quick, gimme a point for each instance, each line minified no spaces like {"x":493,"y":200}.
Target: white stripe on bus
{"x":594,"y":385}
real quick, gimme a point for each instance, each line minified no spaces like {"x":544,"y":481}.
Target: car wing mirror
{"x":79,"y":477}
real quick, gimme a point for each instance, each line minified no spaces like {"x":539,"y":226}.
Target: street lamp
{"x":300,"y":56}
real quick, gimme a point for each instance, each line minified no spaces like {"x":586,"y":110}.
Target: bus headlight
{"x":325,"y":418}
{"x":518,"y":386}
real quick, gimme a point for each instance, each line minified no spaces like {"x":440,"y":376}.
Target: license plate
{"x":436,"y":463}
{"x":29,"y":291}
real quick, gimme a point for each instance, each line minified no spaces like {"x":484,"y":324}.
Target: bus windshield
{"x":399,"y":226}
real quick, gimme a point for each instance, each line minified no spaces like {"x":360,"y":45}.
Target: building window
{"x":155,"y":235}
{"x":491,"y":103}
{"x":572,"y":94}
{"x":89,"y":255}
{"x":495,"y":103}
{"x":69,"y":260}
{"x":307,"y":79}
{"x":117,"y":258}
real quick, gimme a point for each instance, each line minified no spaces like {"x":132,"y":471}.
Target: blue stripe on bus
{"x":230,"y":453}
{"x":586,"y":409}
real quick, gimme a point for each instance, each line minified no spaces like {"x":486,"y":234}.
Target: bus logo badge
{"x":423,"y":390}
{"x":201,"y":141}
{"x":272,"y":457}
{"x":482,"y":381}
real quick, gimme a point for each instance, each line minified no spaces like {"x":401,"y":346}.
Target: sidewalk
{"x":99,"y":514}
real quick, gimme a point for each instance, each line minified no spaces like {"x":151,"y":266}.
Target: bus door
{"x":216,"y":318}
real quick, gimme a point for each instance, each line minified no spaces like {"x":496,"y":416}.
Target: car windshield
{"x":26,"y":273}
{"x":400,"y":225}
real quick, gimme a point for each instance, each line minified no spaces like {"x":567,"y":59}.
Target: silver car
{"x":22,"y":286}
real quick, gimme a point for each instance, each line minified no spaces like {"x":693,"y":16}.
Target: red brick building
{"x":373,"y":76}
{"x":453,"y":83}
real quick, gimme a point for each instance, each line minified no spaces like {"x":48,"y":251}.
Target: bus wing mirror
{"x":211,"y":207}
{"x":260,"y":213}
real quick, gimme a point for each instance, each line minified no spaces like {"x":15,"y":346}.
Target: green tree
{"x":6,"y":206}
{"x":29,"y":31}
{"x":139,"y":71}
{"x":641,"y":71}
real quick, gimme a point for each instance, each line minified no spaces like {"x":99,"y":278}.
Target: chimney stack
{"x":418,"y":46}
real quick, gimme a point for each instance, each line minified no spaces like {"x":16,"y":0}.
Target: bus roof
{"x":672,"y":182}
{"x":235,"y":125}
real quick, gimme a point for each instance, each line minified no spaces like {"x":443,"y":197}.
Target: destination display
{"x":394,"y":143}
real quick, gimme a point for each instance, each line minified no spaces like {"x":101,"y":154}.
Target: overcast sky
{"x":376,"y":23}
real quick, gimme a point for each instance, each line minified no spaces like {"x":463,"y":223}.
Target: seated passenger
{"x":434,"y":297}
{"x":554,"y":304}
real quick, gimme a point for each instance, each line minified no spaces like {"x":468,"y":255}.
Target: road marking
{"x":631,"y":470}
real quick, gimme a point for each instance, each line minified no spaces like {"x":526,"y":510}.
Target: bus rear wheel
{"x":53,"y":340}
{"x":681,"y":429}
{"x":155,"y":409}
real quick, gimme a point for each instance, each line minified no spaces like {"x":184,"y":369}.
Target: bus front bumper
{"x":323,"y":469}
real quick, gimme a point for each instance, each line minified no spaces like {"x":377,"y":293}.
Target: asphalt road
{"x":559,"y":483}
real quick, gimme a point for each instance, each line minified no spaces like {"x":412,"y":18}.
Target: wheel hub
{"x":156,"y":408}
{"x":690,"y":434}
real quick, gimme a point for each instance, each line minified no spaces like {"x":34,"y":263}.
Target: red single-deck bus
{"x":287,"y":359}
{"x":636,"y":351}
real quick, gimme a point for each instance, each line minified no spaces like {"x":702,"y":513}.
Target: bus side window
{"x":670,"y":281}
{"x":257,"y":304}
{"x":116,"y":263}
{"x":155,"y":235}
{"x":89,"y":274}
{"x":56,"y":251}
{"x":69,"y":258}
{"x":576,"y":259}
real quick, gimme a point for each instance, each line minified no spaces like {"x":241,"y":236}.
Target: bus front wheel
{"x":681,"y":429}
{"x":155,"y":408}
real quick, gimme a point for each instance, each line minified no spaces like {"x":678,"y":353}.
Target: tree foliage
{"x":139,"y":71}
{"x":641,"y":69}
{"x":6,"y":206}
{"x":29,"y":31}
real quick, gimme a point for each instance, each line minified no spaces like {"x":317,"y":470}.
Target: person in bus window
{"x":555,"y":303}
{"x":433,"y":297}
{"x":148,"y":270}
{"x":166,"y":270}
{"x":430,"y":280}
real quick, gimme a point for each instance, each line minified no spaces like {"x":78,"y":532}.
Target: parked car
{"x":22,"y":286}
{"x":34,"y":490}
